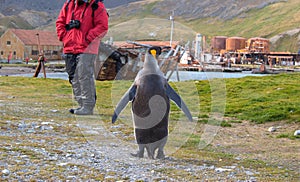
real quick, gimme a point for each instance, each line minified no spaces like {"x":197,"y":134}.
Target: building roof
{"x":126,"y":44}
{"x":259,"y":38}
{"x":29,"y":37}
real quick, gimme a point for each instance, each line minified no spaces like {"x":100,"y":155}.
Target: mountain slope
{"x":220,"y":9}
{"x":195,"y":9}
{"x":14,"y":7}
{"x":31,"y":14}
{"x":248,"y":18}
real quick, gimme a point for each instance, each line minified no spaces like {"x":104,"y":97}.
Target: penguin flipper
{"x":128,"y":96}
{"x":178,"y":101}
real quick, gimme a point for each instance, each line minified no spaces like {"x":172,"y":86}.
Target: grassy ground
{"x":244,"y":107}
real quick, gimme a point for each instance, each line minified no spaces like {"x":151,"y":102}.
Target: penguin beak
{"x":153,"y":52}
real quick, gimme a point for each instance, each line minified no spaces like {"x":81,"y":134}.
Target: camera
{"x":73,"y":24}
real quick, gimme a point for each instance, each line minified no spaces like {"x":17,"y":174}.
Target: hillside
{"x":195,"y":9}
{"x":272,"y":19}
{"x":14,"y":7}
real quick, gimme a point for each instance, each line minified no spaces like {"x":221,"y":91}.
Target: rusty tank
{"x":218,"y":43}
{"x":235,"y":43}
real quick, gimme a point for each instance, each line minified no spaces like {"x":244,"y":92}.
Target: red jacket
{"x":87,"y":38}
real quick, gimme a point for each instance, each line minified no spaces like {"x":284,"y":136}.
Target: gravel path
{"x":39,"y":151}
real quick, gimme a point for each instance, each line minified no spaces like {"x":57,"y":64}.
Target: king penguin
{"x":150,"y":95}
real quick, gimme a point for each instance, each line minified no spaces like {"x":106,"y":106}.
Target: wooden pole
{"x":41,"y":59}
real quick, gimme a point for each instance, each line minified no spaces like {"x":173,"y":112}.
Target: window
{"x":34,"y":52}
{"x":1,"y":53}
{"x":15,"y":53}
{"x":47,"y":53}
{"x":8,"y":43}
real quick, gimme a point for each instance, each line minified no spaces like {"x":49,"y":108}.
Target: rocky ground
{"x":38,"y":150}
{"x":46,"y":150}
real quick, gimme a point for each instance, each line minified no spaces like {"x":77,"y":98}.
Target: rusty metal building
{"x":258,"y":44}
{"x":21,"y":44}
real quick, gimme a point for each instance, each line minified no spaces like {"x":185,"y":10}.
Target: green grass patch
{"x":263,"y":99}
{"x":258,"y":99}
{"x":288,"y":135}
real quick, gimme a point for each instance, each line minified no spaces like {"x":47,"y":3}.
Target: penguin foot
{"x":137,"y":155}
{"x":160,"y":155}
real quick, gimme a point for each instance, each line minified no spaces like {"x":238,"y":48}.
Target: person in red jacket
{"x":81,"y":25}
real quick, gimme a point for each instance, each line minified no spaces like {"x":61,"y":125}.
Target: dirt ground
{"x":255,"y":141}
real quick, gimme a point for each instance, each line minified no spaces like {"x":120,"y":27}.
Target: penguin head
{"x":155,"y":51}
{"x":151,"y":62}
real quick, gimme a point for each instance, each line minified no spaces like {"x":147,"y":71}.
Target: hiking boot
{"x":84,"y":111}
{"x":73,"y":110}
